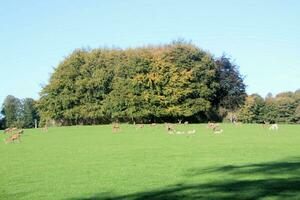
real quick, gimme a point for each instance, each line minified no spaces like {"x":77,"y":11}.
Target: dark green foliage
{"x":2,"y":123}
{"x":11,"y":110}
{"x":297,"y":114}
{"x":18,"y":113}
{"x":232,"y":92}
{"x":29,"y":112}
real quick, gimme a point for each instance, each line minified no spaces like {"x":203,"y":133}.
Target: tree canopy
{"x":18,"y":113}
{"x":149,"y":84}
{"x":283,"y":108}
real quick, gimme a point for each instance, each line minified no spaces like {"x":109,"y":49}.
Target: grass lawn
{"x":89,"y":162}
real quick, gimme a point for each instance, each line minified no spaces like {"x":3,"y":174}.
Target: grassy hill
{"x":90,"y":162}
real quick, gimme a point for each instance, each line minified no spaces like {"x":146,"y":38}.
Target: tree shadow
{"x":280,"y":180}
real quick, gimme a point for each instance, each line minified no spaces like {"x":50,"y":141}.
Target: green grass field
{"x":89,"y":162}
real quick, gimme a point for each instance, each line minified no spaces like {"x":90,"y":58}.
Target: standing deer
{"x":115,"y":127}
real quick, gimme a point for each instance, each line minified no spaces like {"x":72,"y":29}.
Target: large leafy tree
{"x":12,"y":111}
{"x":162,"y":83}
{"x":29,"y":112}
{"x":232,"y":92}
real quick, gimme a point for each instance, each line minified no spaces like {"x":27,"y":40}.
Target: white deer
{"x":273,"y":127}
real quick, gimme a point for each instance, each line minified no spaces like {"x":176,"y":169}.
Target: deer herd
{"x":171,"y":128}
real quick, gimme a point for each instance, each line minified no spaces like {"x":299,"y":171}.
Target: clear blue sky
{"x":263,"y":37}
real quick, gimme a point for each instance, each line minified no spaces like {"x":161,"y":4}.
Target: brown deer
{"x":153,"y":124}
{"x":45,"y":129}
{"x":212,"y":125}
{"x":170,"y":128}
{"x":10,"y":130}
{"x":218,"y":131}
{"x":115,"y":127}
{"x":266,"y":124}
{"x":139,"y":126}
{"x":14,"y":137}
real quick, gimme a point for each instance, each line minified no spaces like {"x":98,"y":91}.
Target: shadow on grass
{"x":280,"y":180}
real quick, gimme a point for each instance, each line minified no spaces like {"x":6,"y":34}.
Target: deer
{"x":237,"y":123}
{"x":7,"y":130}
{"x":186,"y":123}
{"x":218,"y":131}
{"x":265,"y":124}
{"x":180,"y":132}
{"x":273,"y":127}
{"x":10,"y":130}
{"x":139,"y":126}
{"x":212,"y":125}
{"x":115,"y":127}
{"x":45,"y":129}
{"x":170,"y":128}
{"x":191,"y":132}
{"x":153,"y":124}
{"x":14,"y":137}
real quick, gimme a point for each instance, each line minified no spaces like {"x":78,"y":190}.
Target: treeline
{"x":20,"y":113}
{"x":149,"y":84}
{"x":283,"y":108}
{"x":167,"y":83}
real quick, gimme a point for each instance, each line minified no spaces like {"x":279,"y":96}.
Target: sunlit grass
{"x":90,"y":162}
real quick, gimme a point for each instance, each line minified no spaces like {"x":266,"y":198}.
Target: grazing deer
{"x":265,"y":124}
{"x":212,"y":125}
{"x":191,"y":132}
{"x":115,"y":127}
{"x":170,"y":128}
{"x":14,"y":137}
{"x":153,"y":124}
{"x":218,"y":131}
{"x":273,"y":127}
{"x":180,"y":132}
{"x":45,"y":129}
{"x":139,"y":126}
{"x":186,"y":123}
{"x":237,"y":123}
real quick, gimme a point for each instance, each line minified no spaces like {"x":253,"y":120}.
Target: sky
{"x":262,"y":37}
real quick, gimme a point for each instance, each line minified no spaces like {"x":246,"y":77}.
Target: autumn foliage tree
{"x":149,"y":84}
